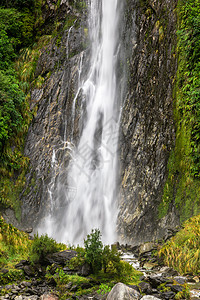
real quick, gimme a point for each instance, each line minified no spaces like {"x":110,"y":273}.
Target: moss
{"x":182,"y":188}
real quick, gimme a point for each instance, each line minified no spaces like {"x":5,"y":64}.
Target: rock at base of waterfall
{"x":148,"y":297}
{"x":48,"y":297}
{"x":60,"y":258}
{"x":120,"y":292}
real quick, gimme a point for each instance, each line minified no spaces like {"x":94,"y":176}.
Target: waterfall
{"x":93,"y":167}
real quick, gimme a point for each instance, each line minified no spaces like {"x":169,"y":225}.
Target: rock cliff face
{"x":55,"y":127}
{"x":147,"y":129}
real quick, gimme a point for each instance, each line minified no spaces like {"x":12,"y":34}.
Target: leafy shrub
{"x":79,"y":260}
{"x":182,"y":252}
{"x":42,"y":246}
{"x":104,"y":289}
{"x":94,"y":250}
{"x":11,"y":276}
{"x":110,"y":260}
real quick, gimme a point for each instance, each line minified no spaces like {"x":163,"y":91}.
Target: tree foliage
{"x":94,"y":250}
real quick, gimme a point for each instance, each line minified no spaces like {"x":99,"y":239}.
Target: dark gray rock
{"x":85,"y":270}
{"x":145,"y":288}
{"x":168,"y":295}
{"x":156,"y":280}
{"x":59,"y":258}
{"x":180,"y":279}
{"x":168,"y":272}
{"x":147,"y":127}
{"x":175,"y":288}
{"x":21,"y":264}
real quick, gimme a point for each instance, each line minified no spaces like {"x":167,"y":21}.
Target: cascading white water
{"x":93,"y":167}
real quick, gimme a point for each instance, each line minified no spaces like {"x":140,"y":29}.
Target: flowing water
{"x":92,"y":173}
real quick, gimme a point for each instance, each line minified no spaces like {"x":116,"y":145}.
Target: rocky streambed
{"x":157,"y":282}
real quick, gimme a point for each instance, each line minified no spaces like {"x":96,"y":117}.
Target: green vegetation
{"x":106,"y":263}
{"x":43,"y":246}
{"x":94,"y":250}
{"x":182,"y":252}
{"x":185,"y":294}
{"x":183,"y":184}
{"x":23,"y":33}
{"x":14,"y":246}
{"x":17,"y":30}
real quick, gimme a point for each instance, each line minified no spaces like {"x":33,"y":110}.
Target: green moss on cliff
{"x":182,"y":188}
{"x":26,"y":27}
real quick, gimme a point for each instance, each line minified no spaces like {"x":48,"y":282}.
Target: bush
{"x":43,"y":246}
{"x":110,"y":260}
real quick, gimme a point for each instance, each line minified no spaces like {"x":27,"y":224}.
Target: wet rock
{"x":145,"y":287}
{"x":156,"y":280}
{"x":120,"y":292}
{"x":168,"y":295}
{"x":176,"y":288}
{"x":168,"y":272}
{"x":180,"y":279}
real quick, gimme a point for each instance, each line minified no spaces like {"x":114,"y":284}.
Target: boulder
{"x":120,"y":292}
{"x":148,"y":297}
{"x":60,"y":258}
{"x":147,"y":247}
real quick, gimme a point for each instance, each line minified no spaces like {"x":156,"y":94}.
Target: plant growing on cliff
{"x":182,"y":188}
{"x":182,"y":252}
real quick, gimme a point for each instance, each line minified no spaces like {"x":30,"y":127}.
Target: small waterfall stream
{"x":94,"y":163}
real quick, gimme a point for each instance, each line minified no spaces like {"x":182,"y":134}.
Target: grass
{"x":14,"y":246}
{"x":182,"y":252}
